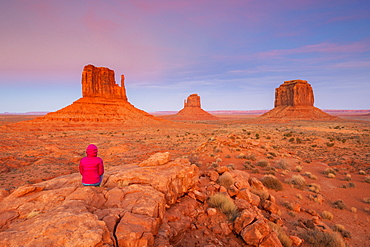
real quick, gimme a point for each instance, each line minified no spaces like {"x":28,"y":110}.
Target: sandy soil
{"x":30,"y":153}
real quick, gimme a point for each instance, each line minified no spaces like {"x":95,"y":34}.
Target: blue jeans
{"x":96,"y":184}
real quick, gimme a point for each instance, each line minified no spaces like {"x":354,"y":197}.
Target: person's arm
{"x":101,"y":167}
{"x":81,"y":168}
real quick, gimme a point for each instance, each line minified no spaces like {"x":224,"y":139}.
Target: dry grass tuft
{"x":225,"y":204}
{"x":297,"y":181}
{"x":284,"y":239}
{"x":327,"y":215}
{"x":262,"y":163}
{"x":272,"y":182}
{"x":323,"y":239}
{"x":226,"y":180}
{"x":314,"y":187}
{"x":339,"y":204}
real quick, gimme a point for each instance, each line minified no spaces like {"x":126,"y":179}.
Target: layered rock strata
{"x":295,"y":100}
{"x":192,"y":110}
{"x":102,"y":101}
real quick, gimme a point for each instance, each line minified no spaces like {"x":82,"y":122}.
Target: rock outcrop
{"x":100,"y":82}
{"x":295,"y":100}
{"x":102,"y":101}
{"x":126,"y":211}
{"x":192,"y":111}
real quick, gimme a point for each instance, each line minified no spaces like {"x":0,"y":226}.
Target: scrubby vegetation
{"x":323,"y":239}
{"x":272,"y":182}
{"x":225,"y":204}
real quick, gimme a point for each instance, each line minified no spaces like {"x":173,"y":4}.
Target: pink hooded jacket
{"x":91,"y":167}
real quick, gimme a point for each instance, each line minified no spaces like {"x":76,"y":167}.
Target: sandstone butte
{"x":295,"y":100}
{"x":151,"y":203}
{"x":102,"y":101}
{"x":192,"y":110}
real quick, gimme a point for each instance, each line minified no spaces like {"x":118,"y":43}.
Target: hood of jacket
{"x":92,"y":150}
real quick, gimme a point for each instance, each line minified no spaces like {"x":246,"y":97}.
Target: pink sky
{"x":232,"y":53}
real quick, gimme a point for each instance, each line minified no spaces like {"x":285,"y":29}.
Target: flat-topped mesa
{"x":100,"y":82}
{"x":191,"y":110}
{"x":192,"y":101}
{"x":103,"y":101}
{"x":294,"y":100}
{"x":294,"y":93}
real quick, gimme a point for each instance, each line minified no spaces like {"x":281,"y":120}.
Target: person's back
{"x":91,"y":167}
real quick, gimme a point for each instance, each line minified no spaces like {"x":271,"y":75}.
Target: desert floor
{"x":32,"y":153}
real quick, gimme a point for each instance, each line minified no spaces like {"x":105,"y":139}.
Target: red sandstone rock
{"x":128,"y":208}
{"x":100,"y":82}
{"x":103,"y":101}
{"x":295,"y":100}
{"x":294,"y":93}
{"x":191,"y":111}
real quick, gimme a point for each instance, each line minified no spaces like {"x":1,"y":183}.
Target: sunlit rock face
{"x":294,"y":93}
{"x":295,"y":100}
{"x":192,"y":110}
{"x":192,"y":101}
{"x":100,"y":82}
{"x":103,"y":101}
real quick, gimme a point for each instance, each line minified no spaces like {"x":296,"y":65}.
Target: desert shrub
{"x":299,"y":196}
{"x":228,"y":156}
{"x":272,"y":182}
{"x":323,"y":239}
{"x":288,"y":205}
{"x":218,"y":150}
{"x":262,"y":163}
{"x":218,"y":160}
{"x":283,"y":164}
{"x":231,"y":167}
{"x":348,"y":177}
{"x":351,"y":185}
{"x":291,"y":139}
{"x":298,"y":140}
{"x":341,"y":229}
{"x":339,"y":204}
{"x":331,"y":175}
{"x":361,"y":172}
{"x":225,"y":204}
{"x":314,"y":187}
{"x":327,"y":171}
{"x":366,"y":200}
{"x":327,"y":215}
{"x":241,"y":156}
{"x":225,"y":180}
{"x":330,"y":144}
{"x":251,"y":157}
{"x":272,"y":154}
{"x":353,"y":209}
{"x":255,"y":170}
{"x":284,"y":239}
{"x":257,"y":136}
{"x":297,"y":181}
{"x":263,"y":195}
{"x":367,"y":179}
{"x":299,"y":168}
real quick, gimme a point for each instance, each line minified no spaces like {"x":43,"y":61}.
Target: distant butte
{"x":295,"y":100}
{"x":102,"y":101}
{"x":192,"y":111}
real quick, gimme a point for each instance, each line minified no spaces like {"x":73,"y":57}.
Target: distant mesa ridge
{"x":102,"y":101}
{"x":295,"y":100}
{"x":192,"y":110}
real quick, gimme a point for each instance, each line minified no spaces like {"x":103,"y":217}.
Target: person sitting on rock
{"x":91,"y":167}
